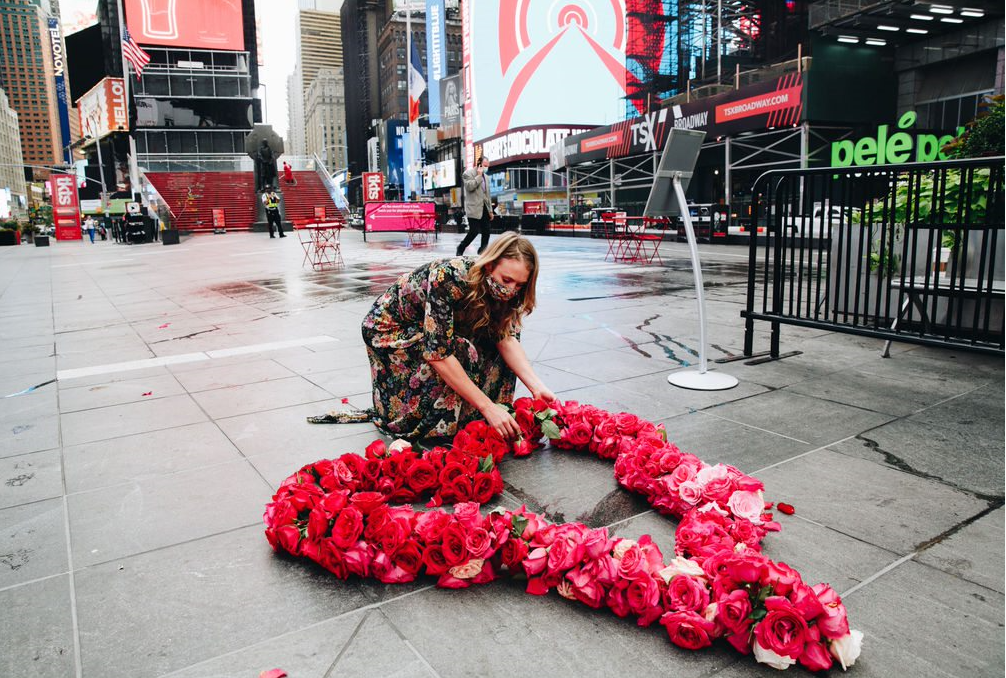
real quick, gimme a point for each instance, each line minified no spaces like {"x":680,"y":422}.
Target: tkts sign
{"x":65,"y":206}
{"x":373,"y":187}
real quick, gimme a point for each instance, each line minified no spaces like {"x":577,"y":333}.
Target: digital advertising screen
{"x":201,"y":24}
{"x":542,"y":64}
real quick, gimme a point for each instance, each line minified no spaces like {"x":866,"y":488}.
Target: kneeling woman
{"x":444,"y":344}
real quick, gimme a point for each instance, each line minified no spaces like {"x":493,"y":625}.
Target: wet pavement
{"x":156,"y":396}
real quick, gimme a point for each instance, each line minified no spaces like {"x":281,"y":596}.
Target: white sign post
{"x":667,"y":198}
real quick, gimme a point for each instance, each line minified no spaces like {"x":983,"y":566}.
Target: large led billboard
{"x":202,"y":24}
{"x":542,"y":64}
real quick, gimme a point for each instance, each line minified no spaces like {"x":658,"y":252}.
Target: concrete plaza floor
{"x":132,"y":487}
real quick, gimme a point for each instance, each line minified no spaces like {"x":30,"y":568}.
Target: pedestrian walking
{"x":89,"y":227}
{"x":444,"y":344}
{"x":478,"y":207}
{"x":271,"y":201}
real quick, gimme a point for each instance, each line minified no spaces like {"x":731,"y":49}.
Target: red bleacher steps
{"x":301,"y":197}
{"x":191,"y":196}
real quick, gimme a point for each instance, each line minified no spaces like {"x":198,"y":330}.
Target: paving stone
{"x":716,"y":441}
{"x":606,"y":366}
{"x":927,"y":623}
{"x":344,"y":382}
{"x":570,"y":487}
{"x":966,"y":553}
{"x":118,"y":393}
{"x":496,"y":625}
{"x":145,"y":455}
{"x":801,"y":417}
{"x":32,"y":542}
{"x":885,"y":507}
{"x":30,"y":477}
{"x":309,"y":651}
{"x":214,"y":376}
{"x":123,"y":420}
{"x":29,"y":423}
{"x":203,"y":599}
{"x":112,"y":523}
{"x":271,"y":395}
{"x":37,"y":629}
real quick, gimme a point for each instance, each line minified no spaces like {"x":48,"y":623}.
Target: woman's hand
{"x":542,"y":393}
{"x":500,"y":419}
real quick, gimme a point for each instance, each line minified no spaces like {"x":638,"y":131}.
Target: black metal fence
{"x":906,"y":252}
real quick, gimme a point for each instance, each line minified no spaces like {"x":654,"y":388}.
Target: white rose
{"x":847,"y":648}
{"x":621,"y":547}
{"x":749,"y":505}
{"x":400,"y":445}
{"x":682,"y":565}
{"x":776,"y":661}
{"x":468,"y":570}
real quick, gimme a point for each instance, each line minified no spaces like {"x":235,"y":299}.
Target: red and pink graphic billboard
{"x":65,"y":206}
{"x":399,"y":216}
{"x":546,"y":64}
{"x":204,"y":24}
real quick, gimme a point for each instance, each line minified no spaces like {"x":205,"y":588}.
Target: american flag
{"x":134,"y":53}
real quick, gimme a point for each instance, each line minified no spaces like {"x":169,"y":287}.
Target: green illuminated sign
{"x":891,"y":149}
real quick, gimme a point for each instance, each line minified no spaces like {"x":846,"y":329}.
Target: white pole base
{"x":702,"y":381}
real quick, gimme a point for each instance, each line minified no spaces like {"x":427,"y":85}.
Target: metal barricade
{"x":909,"y":252}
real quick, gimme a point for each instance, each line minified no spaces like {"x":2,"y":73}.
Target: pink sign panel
{"x":65,"y":207}
{"x":399,"y":216}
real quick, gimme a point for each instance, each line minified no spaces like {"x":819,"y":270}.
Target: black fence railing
{"x":908,"y":252}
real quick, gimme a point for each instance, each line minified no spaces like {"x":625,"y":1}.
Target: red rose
{"x":377,"y":450}
{"x":433,"y":559}
{"x":718,"y":490}
{"x":409,"y":557}
{"x":514,"y":551}
{"x":522,"y":447}
{"x":782,"y":577}
{"x":578,"y":435}
{"x":733,"y":611}
{"x":430,"y":525}
{"x":317,"y":524}
{"x":815,"y":654}
{"x":483,"y":488}
{"x":479,"y":543}
{"x":334,"y":502}
{"x":833,"y":622}
{"x":455,"y":545}
{"x":458,"y":490}
{"x":347,"y":527}
{"x":371,"y":471}
{"x":452,"y":470}
{"x":688,"y":630}
{"x":628,"y":424}
{"x":686,"y":593}
{"x":421,"y":476}
{"x":367,"y":501}
{"x":279,"y":513}
{"x":332,"y":558}
{"x":631,"y":563}
{"x":783,"y":630}
{"x":288,"y":538}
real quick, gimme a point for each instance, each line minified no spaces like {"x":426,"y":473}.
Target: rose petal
{"x":148,"y":393}
{"x":785,"y":508}
{"x":273,"y":673}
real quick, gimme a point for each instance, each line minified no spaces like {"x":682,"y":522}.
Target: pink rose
{"x":467,"y":571}
{"x":783,"y":631}
{"x":733,"y":611}
{"x":643,"y":596}
{"x":479,"y":544}
{"x":596,"y":543}
{"x":631,"y":563}
{"x":467,"y":513}
{"x":578,"y":435}
{"x":535,"y":562}
{"x":686,"y":593}
{"x":815,"y":654}
{"x":833,"y":622}
{"x":748,"y":505}
{"x":688,"y":630}
{"x":627,"y":424}
{"x":690,"y":492}
{"x":718,"y":489}
{"x":782,"y":577}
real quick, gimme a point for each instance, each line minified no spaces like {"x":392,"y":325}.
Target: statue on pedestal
{"x":265,"y":167}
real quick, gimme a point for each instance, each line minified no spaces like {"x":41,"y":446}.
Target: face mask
{"x":498,"y":290}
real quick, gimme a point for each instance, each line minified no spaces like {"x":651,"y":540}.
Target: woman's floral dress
{"x":413,"y":323}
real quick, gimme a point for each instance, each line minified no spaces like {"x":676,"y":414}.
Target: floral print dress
{"x":412,"y":324}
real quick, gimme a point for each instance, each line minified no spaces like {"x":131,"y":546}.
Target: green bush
{"x":983,"y":135}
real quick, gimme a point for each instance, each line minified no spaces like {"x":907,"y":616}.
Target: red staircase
{"x":192,"y":196}
{"x":301,"y":197}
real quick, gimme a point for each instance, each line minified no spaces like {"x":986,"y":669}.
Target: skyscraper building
{"x":319,"y":46}
{"x":362,"y":21}
{"x":27,"y":75}
{"x":11,"y":176}
{"x":325,"y":118}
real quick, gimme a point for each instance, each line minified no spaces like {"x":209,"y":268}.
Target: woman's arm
{"x":515,"y":358}
{"x":454,"y":375}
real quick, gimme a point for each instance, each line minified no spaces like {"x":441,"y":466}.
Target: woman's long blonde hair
{"x":486,"y":316}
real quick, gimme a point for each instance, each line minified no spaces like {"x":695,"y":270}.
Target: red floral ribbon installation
{"x":347,"y":515}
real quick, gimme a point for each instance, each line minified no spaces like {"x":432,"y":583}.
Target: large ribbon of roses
{"x":350,"y":515}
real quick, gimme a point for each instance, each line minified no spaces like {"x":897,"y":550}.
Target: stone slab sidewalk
{"x":132,"y":486}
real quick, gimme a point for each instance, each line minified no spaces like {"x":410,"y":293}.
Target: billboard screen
{"x":399,"y":216}
{"x":103,"y":109}
{"x":540,"y":63}
{"x":203,"y":24}
{"x":436,"y":54}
